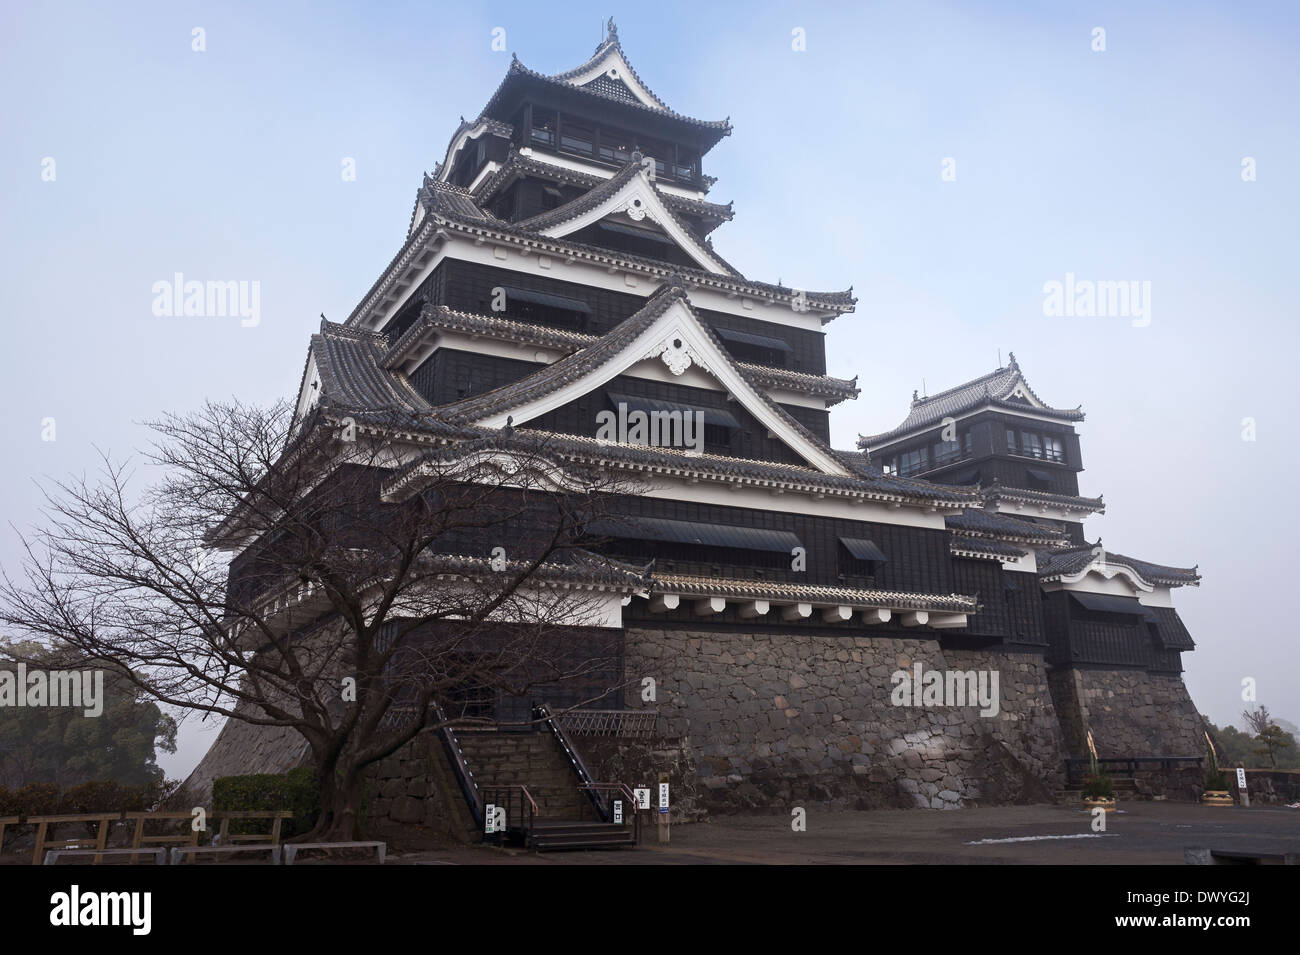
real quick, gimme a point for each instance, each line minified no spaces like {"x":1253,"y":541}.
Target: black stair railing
{"x":613,"y":791}
{"x":460,"y":769}
{"x":1076,"y":768}
{"x":520,"y":810}
{"x":542,"y":713}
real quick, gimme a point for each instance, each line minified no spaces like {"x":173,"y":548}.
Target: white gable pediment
{"x":309,"y":392}
{"x":678,"y":340}
{"x":614,"y":65}
{"x":638,"y":201}
{"x":1104,"y":576}
{"x":1021,"y":392}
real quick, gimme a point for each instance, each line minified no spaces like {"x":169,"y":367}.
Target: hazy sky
{"x":1124,"y":164}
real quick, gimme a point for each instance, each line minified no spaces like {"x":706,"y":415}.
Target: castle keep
{"x":557,"y":284}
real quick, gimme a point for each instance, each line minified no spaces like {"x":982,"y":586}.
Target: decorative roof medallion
{"x":674,"y":352}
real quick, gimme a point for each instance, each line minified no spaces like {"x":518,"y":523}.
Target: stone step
{"x":533,"y":760}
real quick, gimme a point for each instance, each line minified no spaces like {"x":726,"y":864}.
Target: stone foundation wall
{"x":415,"y":787}
{"x":777,"y":720}
{"x":639,"y":762}
{"x":1130,"y":713}
{"x":1269,"y":787}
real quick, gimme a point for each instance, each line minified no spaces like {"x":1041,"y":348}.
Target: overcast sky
{"x":1117,"y":165}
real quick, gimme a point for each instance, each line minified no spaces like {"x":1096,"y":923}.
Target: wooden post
{"x":665,"y":826}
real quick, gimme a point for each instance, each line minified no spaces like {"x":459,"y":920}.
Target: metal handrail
{"x":528,"y":810}
{"x":1077,"y":766}
{"x":624,"y":790}
{"x":460,"y":768}
{"x":542,"y":711}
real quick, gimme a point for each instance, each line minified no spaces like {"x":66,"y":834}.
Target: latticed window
{"x":946,"y":451}
{"x":910,"y":462}
{"x":1031,"y":444}
{"x":1053,"y":449}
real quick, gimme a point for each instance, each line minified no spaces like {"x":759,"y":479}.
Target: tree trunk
{"x":341,"y":794}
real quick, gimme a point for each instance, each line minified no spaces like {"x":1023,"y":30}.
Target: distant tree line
{"x":1266,"y":743}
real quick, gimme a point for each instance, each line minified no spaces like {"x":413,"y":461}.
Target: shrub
{"x":295,"y":791}
{"x":47,"y":799}
{"x":1098,"y":786}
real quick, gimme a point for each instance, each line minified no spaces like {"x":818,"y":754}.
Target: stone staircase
{"x":532,"y":759}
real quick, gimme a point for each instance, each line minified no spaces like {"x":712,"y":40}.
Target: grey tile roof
{"x":980,"y":545}
{"x":994,"y":389}
{"x":348,"y":362}
{"x":518,"y":72}
{"x":575,"y":366}
{"x":357,"y":385}
{"x":600,"y":193}
{"x":611,"y":42}
{"x":442,"y":198}
{"x":576,"y":566}
{"x":433,"y":317}
{"x":517,"y":166}
{"x":997,"y":492}
{"x":688,"y":585}
{"x":1068,"y":561}
{"x":977,"y":521}
{"x":442,"y":211}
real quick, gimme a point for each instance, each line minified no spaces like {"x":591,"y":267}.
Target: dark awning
{"x":696,"y":532}
{"x":1171,"y":631}
{"x":542,"y":298}
{"x":758,"y":341}
{"x":718,"y":417}
{"x":969,"y":476}
{"x":1112,"y":603}
{"x":863,"y":549}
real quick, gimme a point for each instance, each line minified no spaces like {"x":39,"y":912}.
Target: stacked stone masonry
{"x":786,"y":719}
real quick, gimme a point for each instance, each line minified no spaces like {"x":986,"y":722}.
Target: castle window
{"x":543,"y":131}
{"x":947,"y":451}
{"x":1031,"y":444}
{"x":1054,"y":449}
{"x":914,"y":461}
{"x":1011,"y":441}
{"x":577,"y":138}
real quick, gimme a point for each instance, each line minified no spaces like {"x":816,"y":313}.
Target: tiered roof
{"x":1073,"y":561}
{"x":435,"y":318}
{"x":449,"y":208}
{"x":608,"y":78}
{"x":517,"y":166}
{"x":1003,"y":388}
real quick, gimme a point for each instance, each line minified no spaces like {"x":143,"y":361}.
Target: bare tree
{"x":1268,"y":734}
{"x":338,"y":580}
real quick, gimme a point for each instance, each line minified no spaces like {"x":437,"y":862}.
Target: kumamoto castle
{"x":557,"y":283}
